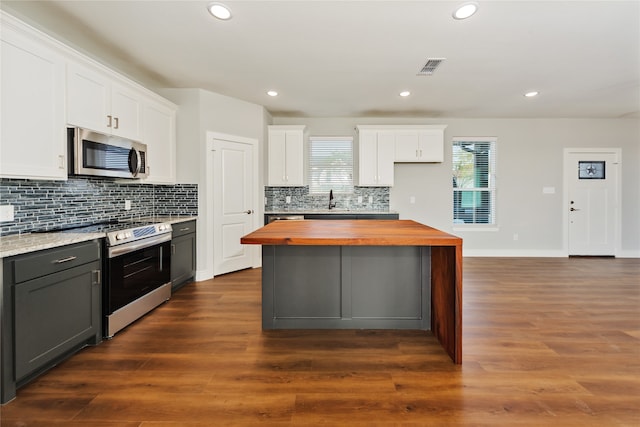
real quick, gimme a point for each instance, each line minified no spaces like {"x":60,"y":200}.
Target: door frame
{"x":211,"y":187}
{"x":617,"y":152}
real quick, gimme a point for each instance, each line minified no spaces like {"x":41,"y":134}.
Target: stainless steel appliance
{"x":95,"y":154}
{"x":136,"y":270}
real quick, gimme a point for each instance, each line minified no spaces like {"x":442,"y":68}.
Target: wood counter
{"x":362,"y":274}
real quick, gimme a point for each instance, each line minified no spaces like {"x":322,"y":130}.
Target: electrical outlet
{"x":515,"y":236}
{"x":412,"y":200}
{"x":370,"y":200}
{"x":6,"y":213}
{"x":287,"y":199}
{"x":360,"y":200}
{"x":127,"y":205}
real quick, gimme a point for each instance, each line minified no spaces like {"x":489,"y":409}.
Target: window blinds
{"x":330,"y":164}
{"x":474,"y":195}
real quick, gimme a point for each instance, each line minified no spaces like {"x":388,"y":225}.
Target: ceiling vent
{"x":430,"y":67}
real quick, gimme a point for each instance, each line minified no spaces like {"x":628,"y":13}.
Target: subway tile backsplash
{"x":44,"y":205}
{"x":276,"y":199}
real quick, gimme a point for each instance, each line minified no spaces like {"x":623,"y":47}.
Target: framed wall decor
{"x":591,"y":170}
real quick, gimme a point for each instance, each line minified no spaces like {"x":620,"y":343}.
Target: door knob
{"x":249,"y":212}
{"x":574,"y":209}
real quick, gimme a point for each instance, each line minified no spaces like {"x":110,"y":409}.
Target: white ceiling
{"x":352,"y":58}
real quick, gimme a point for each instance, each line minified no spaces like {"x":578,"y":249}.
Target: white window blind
{"x":330,"y":164}
{"x":474,"y":180}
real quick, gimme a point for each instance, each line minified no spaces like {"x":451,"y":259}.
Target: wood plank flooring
{"x":546,"y":342}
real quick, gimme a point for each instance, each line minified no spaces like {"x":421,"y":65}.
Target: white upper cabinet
{"x":286,"y":156}
{"x":159,"y":133}
{"x":97,"y":102}
{"x":375,"y":157}
{"x":418,"y":144}
{"x":33,"y":137}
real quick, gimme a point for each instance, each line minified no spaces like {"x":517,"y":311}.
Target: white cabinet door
{"x":431,"y":146}
{"x":375,"y":158}
{"x":285,"y":156}
{"x":277,"y":159}
{"x":386,"y":149}
{"x":126,"y":108}
{"x":367,"y":158}
{"x":88,"y":99}
{"x":416,"y":146}
{"x":96,"y":102}
{"x":294,"y":152}
{"x":407,"y":146}
{"x":33,"y":137}
{"x":159,"y":133}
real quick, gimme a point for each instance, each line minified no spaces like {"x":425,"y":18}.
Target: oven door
{"x":135,"y":269}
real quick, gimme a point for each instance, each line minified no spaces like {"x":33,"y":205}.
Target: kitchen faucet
{"x":332,"y":204}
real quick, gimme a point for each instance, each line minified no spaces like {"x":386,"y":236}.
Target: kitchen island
{"x":362,"y":274}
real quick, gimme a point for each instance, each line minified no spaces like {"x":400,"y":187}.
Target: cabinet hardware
{"x":173,"y":249}
{"x":184,"y":229}
{"x":109,"y":122}
{"x":116,"y":120}
{"x":98,"y":277}
{"x":63,"y":260}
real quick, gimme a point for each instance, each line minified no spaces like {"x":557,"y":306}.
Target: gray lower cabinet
{"x":52,"y":302}
{"x":183,"y":254}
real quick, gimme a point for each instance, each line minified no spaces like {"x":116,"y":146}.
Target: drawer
{"x":182,"y":228}
{"x":41,"y":263}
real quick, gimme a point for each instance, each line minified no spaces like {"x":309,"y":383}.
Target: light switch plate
{"x":6,"y":213}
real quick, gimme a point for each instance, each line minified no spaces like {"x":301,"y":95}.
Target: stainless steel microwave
{"x":95,"y":154}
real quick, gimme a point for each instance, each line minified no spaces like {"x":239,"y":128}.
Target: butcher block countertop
{"x":350,"y":233}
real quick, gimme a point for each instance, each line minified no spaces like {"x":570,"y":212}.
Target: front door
{"x":233,"y":205}
{"x":591,"y":177}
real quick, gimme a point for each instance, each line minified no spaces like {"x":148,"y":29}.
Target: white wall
{"x":200,"y":112}
{"x":529,"y":157}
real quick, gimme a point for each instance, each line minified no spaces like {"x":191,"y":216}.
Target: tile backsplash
{"x":43,"y":205}
{"x":276,"y":199}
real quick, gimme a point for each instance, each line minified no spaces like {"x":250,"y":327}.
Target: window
{"x":474,"y":183}
{"x":330,"y":164}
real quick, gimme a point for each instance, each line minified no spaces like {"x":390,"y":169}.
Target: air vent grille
{"x":430,"y":66}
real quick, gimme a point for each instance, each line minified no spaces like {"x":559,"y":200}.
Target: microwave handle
{"x":135,"y":168}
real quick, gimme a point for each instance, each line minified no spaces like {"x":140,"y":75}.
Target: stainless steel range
{"x":136,"y":270}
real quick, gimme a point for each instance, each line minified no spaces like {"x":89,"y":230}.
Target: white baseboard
{"x":521,"y":253}
{"x":628,"y":254}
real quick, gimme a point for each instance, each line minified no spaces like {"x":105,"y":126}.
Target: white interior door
{"x":233,"y":205}
{"x":592,"y":196}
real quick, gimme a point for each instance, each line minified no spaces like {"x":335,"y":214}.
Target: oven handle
{"x":115,"y":251}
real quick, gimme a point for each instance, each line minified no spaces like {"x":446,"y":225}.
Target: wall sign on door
{"x":591,"y":170}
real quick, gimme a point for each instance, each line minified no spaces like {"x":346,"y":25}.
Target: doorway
{"x":592,"y":201}
{"x":233,"y":186}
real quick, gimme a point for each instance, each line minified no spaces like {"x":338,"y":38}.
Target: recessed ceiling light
{"x":219,"y":11}
{"x":465,"y":10}
{"x":531,"y":94}
{"x":272,"y":93}
{"x":405,"y":93}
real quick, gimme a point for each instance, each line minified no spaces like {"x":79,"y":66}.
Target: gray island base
{"x":346,"y":287}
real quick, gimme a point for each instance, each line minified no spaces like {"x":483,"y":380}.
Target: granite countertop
{"x":17,"y":244}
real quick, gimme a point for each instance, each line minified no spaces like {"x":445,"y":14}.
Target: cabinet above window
{"x":413,"y":143}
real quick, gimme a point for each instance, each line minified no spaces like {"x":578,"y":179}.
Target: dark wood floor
{"x":547,"y":342}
